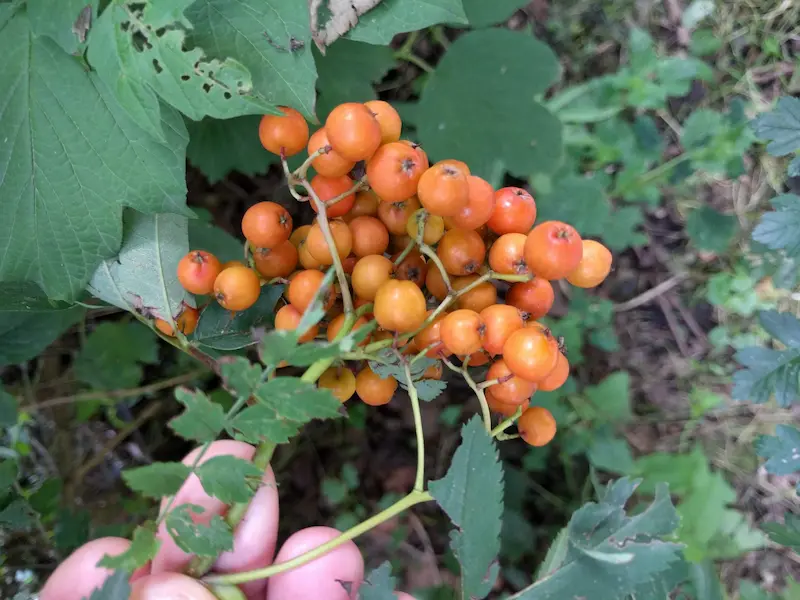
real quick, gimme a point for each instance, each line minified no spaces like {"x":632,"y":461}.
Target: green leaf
{"x":157,"y":480}
{"x":71,"y":529}
{"x":16,"y":516}
{"x":390,"y":17}
{"x":379,"y":584}
{"x":347,"y":72}
{"x":65,"y":22}
{"x":8,"y":409}
{"x":781,"y":127}
{"x":679,"y":471}
{"x":66,"y":176}
{"x":258,"y":423}
{"x":241,"y":377}
{"x":711,"y":230}
{"x":496,"y":125}
{"x":116,"y":586}
{"x":229,"y":478}
{"x":222,"y":330}
{"x":29,"y":322}
{"x":143,"y":277}
{"x":298,"y":400}
{"x":482,"y":14}
{"x":113,"y":355}
{"x":430,"y":389}
{"x":610,"y":554}
{"x":786,"y":533}
{"x":610,"y":453}
{"x":611,"y":397}
{"x":9,"y":469}
{"x":276,"y":346}
{"x":202,"y":420}
{"x":782,"y":450}
{"x":270,"y":38}
{"x":471,"y":493}
{"x":218,"y":147}
{"x":780,"y":229}
{"x":205,"y":236}
{"x":308,"y":353}
{"x":579,"y":201}
{"x":702,"y":510}
{"x":199,"y":539}
{"x":143,"y":548}
{"x":556,"y":554}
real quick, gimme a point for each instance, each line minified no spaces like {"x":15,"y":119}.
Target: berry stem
{"x":227,"y":592}
{"x":488,"y":383}
{"x":487,"y":415}
{"x":423,"y":352}
{"x":300,"y":172}
{"x":415,"y":497}
{"x":500,"y":429}
{"x":359,"y":185}
{"x":422,"y":220}
{"x":406,"y":251}
{"x":419,"y":480}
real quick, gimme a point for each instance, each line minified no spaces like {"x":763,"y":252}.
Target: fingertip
{"x":322,"y":577}
{"x":169,"y":585}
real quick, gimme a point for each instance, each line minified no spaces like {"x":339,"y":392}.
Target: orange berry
{"x":504,"y":408}
{"x":531,"y":353}
{"x":395,"y":215}
{"x":328,"y":188}
{"x":594,"y":266}
{"x":394,"y":171}
{"x":478,"y":298}
{"x":557,"y":377}
{"x":511,"y":389}
{"x":553,"y":250}
{"x":479,"y":206}
{"x":197,"y":272}
{"x":507,"y":254}
{"x":435,"y":284}
{"x":434,"y":227}
{"x":365,"y":205}
{"x":329,"y":164}
{"x":288,"y":318}
{"x":536,"y":426}
{"x":340,"y":381}
{"x":501,"y":321}
{"x":443,"y":189}
{"x":534,"y":297}
{"x":318,"y":246}
{"x":287,"y":133}
{"x":374,"y":390}
{"x":388,"y":120}
{"x":412,"y":268}
{"x":399,"y":306}
{"x":461,"y":251}
{"x":370,"y":236}
{"x":462,"y":331}
{"x":432,"y":334}
{"x":279,"y":261}
{"x":353,"y":131}
{"x":237,"y":288}
{"x":369,"y":274}
{"x":266,"y":224}
{"x":303,"y":287}
{"x":514,"y":211}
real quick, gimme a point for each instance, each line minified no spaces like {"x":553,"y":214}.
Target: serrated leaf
{"x":471,"y":493}
{"x":298,"y":400}
{"x":379,"y":584}
{"x":430,"y":389}
{"x":779,"y":230}
{"x":205,"y":236}
{"x":66,"y":176}
{"x":202,"y":420}
{"x":258,"y":423}
{"x":229,"y":478}
{"x":223,"y":330}
{"x":65,"y":22}
{"x":711,"y":230}
{"x":29,"y":322}
{"x":198,"y":538}
{"x":496,"y":125}
{"x":276,"y":346}
{"x":308,"y":353}
{"x":113,"y":355}
{"x":157,"y":480}
{"x":142,"y":549}
{"x":781,"y":127}
{"x":766,"y":372}
{"x":390,"y":17}
{"x":702,"y":509}
{"x":241,"y":376}
{"x":482,"y":14}
{"x":782,"y":450}
{"x":143,"y":277}
{"x":115,"y":587}
{"x":786,"y":533}
{"x":783,"y":326}
{"x":218,"y":147}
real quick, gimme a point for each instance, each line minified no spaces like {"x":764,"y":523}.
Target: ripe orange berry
{"x":432,"y":334}
{"x":458,"y":164}
{"x":303,"y":287}
{"x":369,"y":274}
{"x":504,"y":408}
{"x":288,"y":318}
{"x":330,"y":164}
{"x":233,"y":263}
{"x":395,"y":215}
{"x":479,"y":207}
{"x":507,"y":254}
{"x":536,"y":426}
{"x":353,"y":131}
{"x":553,"y":250}
{"x":594,"y":266}
{"x":443,"y":189}
{"x":370,"y":236}
{"x":336,"y":325}
{"x":279,"y":261}
{"x":512,"y":389}
{"x":197,"y":272}
{"x":266,"y":224}
{"x":435,"y":284}
{"x":412,"y":268}
{"x":399,"y":306}
{"x":318,"y":247}
{"x":365,"y":205}
{"x":299,"y":235}
{"x":514,"y":211}
{"x":462,"y":331}
{"x":461,"y":251}
{"x":374,"y":390}
{"x":534,"y":297}
{"x":328,"y":188}
{"x":394,"y":171}
{"x":434,"y":227}
{"x":557,"y":377}
{"x":435,"y":371}
{"x":477,"y":359}
{"x":186,"y":322}
{"x":388,"y":120}
{"x":287,"y":133}
{"x":482,"y":295}
{"x":420,"y":152}
{"x":531,"y":353}
{"x":501,"y":321}
{"x":398,"y":243}
{"x":237,"y":288}
{"x":340,"y":381}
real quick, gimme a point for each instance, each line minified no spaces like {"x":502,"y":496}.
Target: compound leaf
{"x":471,"y":493}
{"x":113,"y":355}
{"x":229,"y":478}
{"x":429,"y":389}
{"x":113,"y":588}
{"x":202,"y":421}
{"x":143,"y":548}
{"x":198,"y":537}
{"x":379,"y":584}
{"x":781,"y":450}
{"x":390,"y":17}
{"x":781,"y":127}
{"x":258,"y":423}
{"x":298,"y":400}
{"x":157,"y":480}
{"x":241,"y":377}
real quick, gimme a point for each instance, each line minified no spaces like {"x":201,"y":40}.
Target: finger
{"x":165,"y":586}
{"x":79,"y":575}
{"x":404,"y":596}
{"x":254,"y":544}
{"x":321,"y":577}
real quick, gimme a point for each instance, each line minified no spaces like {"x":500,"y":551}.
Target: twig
{"x":650,"y":294}
{"x":669,"y":314}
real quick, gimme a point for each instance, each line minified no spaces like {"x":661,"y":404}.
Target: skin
{"x":255,"y":541}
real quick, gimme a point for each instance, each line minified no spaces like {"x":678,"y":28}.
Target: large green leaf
{"x":781,"y":127}
{"x":205,"y":236}
{"x":390,"y":17}
{"x":787,"y":533}
{"x":29,"y":322}
{"x":471,"y":493}
{"x":579,"y":201}
{"x":65,"y":21}
{"x":73,"y":158}
{"x":271,"y":38}
{"x":481,"y":13}
{"x":479,"y":105}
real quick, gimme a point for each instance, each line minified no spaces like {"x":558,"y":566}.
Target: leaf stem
{"x":487,"y":415}
{"x":419,"y":480}
{"x":415,"y":497}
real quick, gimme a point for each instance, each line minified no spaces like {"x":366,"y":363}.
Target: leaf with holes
{"x":198,"y":538}
{"x":67,"y":177}
{"x":781,"y":127}
{"x":781,"y":450}
{"x":201,"y":421}
{"x":471,"y":493}
{"x":157,"y":480}
{"x":142,"y":549}
{"x":66,"y":22}
{"x":229,"y":478}
{"x":390,"y":17}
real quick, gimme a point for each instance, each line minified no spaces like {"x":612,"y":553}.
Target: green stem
{"x":653,"y":174}
{"x":506,"y":423}
{"x":406,"y":251}
{"x":487,"y":415}
{"x":415,"y":497}
{"x":419,"y":480}
{"x":301,"y":171}
{"x":227,"y":592}
{"x":358,"y":186}
{"x":437,"y":33}
{"x":414,"y":60}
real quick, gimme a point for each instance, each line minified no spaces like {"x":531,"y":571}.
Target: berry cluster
{"x":422,"y":250}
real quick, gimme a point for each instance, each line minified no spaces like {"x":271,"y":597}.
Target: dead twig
{"x":651,"y":294}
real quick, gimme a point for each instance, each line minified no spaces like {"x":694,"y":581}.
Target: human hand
{"x":254,"y":547}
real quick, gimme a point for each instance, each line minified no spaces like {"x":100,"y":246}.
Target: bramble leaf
{"x":298,"y":400}
{"x":781,"y":450}
{"x":229,"y":478}
{"x":786,"y":533}
{"x":143,"y":548}
{"x":198,"y":538}
{"x":390,"y":17}
{"x":202,"y":421}
{"x":113,"y":355}
{"x":67,"y":177}
{"x":258,"y":423}
{"x":157,"y":480}
{"x":379,"y":584}
{"x":471,"y":493}
{"x":780,"y":229}
{"x":781,"y":126}
{"x":116,"y":586}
